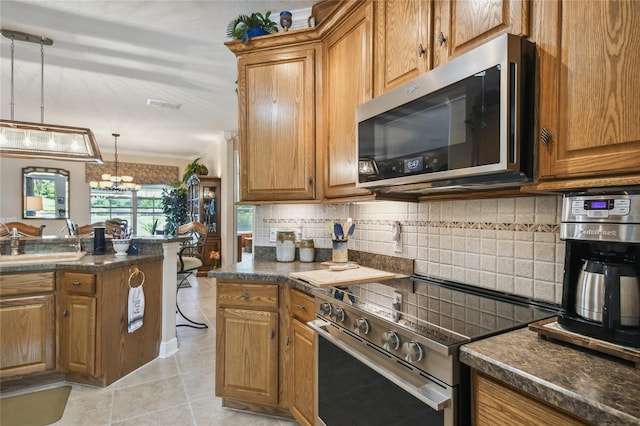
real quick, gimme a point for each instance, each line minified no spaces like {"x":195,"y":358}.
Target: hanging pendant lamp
{"x":117,"y":182}
{"x":25,"y":139}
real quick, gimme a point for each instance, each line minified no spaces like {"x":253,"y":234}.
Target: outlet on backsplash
{"x":273,"y":234}
{"x":396,"y":306}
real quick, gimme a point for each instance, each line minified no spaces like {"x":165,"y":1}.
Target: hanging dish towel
{"x":136,"y":303}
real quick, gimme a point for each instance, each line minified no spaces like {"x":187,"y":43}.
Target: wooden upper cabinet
{"x":348,"y":71}
{"x":462,"y":25}
{"x":277,"y":115}
{"x":589,"y":91}
{"x":403,"y":47}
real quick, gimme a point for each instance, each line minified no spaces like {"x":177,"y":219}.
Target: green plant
{"x":246,"y":26}
{"x":194,"y":167}
{"x":174,"y":207}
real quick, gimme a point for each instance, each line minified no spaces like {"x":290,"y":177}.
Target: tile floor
{"x":173,"y":391}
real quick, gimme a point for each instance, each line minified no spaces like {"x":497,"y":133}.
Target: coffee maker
{"x":601,"y":289}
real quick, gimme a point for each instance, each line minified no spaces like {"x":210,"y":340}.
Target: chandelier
{"x":39,"y":140}
{"x":115,"y":183}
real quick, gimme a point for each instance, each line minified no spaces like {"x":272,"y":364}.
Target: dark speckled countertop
{"x":594,"y":387}
{"x":87,"y":263}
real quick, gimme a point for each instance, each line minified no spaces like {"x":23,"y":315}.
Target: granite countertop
{"x":268,"y":270}
{"x":87,"y":263}
{"x":600,"y":389}
{"x":263,"y":270}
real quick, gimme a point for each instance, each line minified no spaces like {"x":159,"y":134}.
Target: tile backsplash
{"x":510,"y":245}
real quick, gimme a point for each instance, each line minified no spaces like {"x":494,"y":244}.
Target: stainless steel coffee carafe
{"x":606,"y":287}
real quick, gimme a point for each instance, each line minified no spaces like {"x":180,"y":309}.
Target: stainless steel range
{"x":380,"y":366}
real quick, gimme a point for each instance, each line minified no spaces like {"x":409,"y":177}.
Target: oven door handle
{"x":426,"y":394}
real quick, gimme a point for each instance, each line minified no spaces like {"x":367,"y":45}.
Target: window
{"x":141,"y":209}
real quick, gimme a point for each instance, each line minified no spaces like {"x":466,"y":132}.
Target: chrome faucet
{"x":15,"y":240}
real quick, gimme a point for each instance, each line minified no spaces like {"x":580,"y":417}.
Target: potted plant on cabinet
{"x":195,"y":167}
{"x":246,"y":26}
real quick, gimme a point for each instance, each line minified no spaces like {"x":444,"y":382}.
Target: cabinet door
{"x":348,"y":82}
{"x":78,"y":334}
{"x":276,"y":99}
{"x":462,"y":25}
{"x":247,"y":355}
{"x":494,"y":404}
{"x":589,"y":88}
{"x":303,"y":372}
{"x":402,"y":42}
{"x":77,"y":322}
{"x":27,"y":335}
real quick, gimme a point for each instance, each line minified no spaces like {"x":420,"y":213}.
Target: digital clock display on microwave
{"x":413,"y":165}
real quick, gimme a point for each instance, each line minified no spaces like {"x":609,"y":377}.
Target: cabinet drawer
{"x":248,"y":296}
{"x":302,"y":306}
{"x":31,"y":283}
{"x":78,"y":282}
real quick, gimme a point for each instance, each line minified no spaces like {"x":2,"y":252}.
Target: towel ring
{"x":133,"y":273}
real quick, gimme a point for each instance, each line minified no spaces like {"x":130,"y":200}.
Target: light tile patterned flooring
{"x":173,"y":391}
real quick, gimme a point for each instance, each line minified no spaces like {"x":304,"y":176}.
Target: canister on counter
{"x":285,"y":246}
{"x":340,"y":253}
{"x":307,"y":250}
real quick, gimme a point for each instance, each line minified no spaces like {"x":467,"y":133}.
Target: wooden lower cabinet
{"x":302,"y":364}
{"x":248,"y":346}
{"x":495,"y":404}
{"x":95,"y":345}
{"x":27,"y":324}
{"x":250,"y":355}
{"x":78,"y":323}
{"x":265,"y":353}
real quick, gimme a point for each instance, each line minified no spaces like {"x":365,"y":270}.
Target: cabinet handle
{"x":287,"y":341}
{"x":65,"y":313}
{"x":273,"y":335}
{"x":302,"y":308}
{"x":245,"y":296}
{"x":441,"y":39}
{"x":76,"y":283}
{"x":421,"y":50}
{"x":545,"y":137}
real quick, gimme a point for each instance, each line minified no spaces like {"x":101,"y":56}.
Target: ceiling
{"x":109,"y":57}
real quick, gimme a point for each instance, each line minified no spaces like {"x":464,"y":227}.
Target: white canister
{"x":285,"y":246}
{"x":307,"y":250}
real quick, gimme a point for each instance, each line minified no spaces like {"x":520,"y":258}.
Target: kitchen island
{"x":594,"y":388}
{"x":73,"y":318}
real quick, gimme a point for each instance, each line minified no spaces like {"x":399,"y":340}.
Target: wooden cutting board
{"x":330,"y":277}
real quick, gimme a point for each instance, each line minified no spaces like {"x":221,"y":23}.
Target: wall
{"x":510,"y":245}
{"x":11,"y":187}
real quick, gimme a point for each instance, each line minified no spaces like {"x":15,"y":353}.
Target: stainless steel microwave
{"x":467,"y":124}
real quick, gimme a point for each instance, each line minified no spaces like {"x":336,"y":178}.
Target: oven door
{"x":359,"y":384}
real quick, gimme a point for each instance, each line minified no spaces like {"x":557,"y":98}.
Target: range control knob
{"x":361,"y":326}
{"x":338,"y":315}
{"x":326,"y":309}
{"x":390,"y":340}
{"x":412,"y":351}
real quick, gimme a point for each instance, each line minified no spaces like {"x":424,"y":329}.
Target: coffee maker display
{"x":601,"y":289}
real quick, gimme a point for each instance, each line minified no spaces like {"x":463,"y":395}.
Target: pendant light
{"x":25,"y":139}
{"x":115,"y":183}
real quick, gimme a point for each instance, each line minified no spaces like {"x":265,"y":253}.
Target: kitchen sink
{"x":23,"y":259}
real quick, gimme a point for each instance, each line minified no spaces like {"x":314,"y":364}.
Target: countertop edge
{"x":557,"y":396}
{"x":87,"y":263}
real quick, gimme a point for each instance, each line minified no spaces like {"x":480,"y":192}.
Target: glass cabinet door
{"x":210,"y":207}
